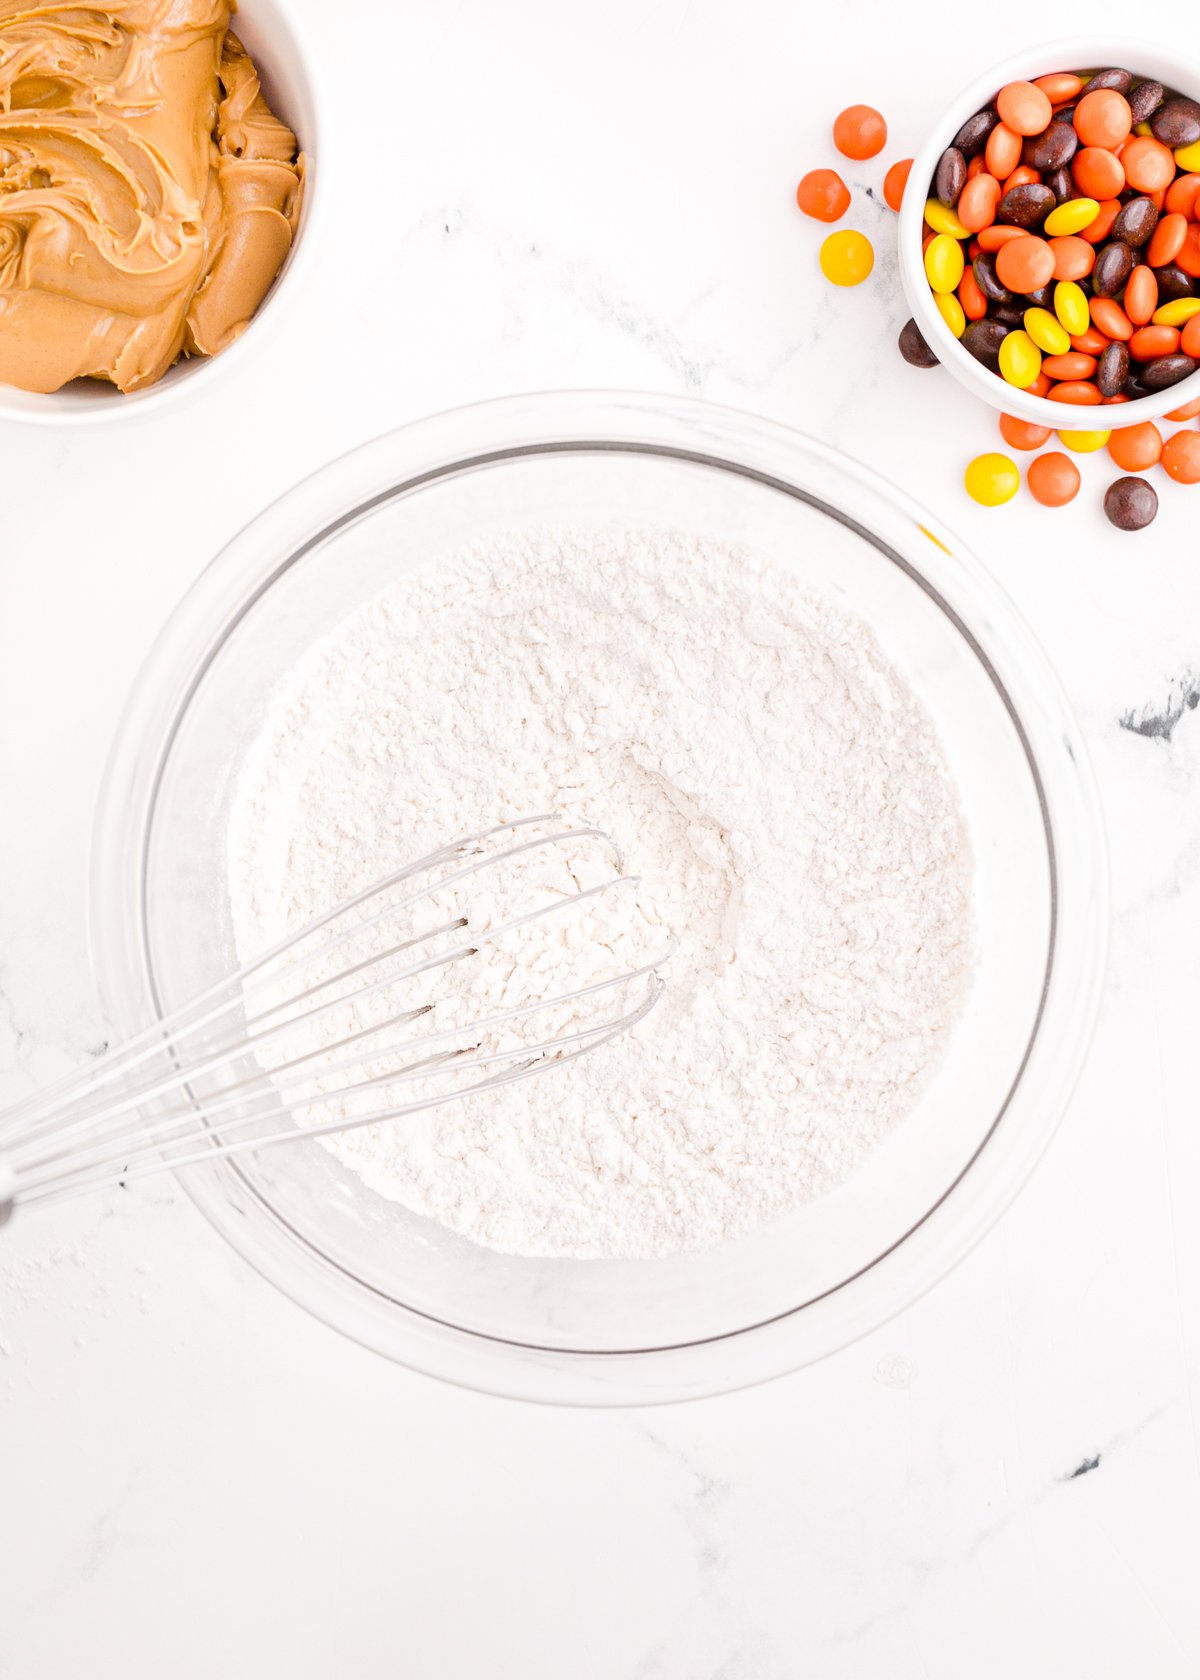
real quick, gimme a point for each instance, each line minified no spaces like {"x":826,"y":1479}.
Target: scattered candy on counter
{"x":859,"y":132}
{"x":1053,"y":479}
{"x":992,"y":479}
{"x":1062,"y":247}
{"x":847,"y":257}
{"x":1131,"y":503}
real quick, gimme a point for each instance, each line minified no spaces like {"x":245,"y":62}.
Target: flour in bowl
{"x":767,"y":772}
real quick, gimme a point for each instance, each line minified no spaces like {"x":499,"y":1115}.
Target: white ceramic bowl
{"x":287,"y":65}
{"x":1093,"y":52}
{"x":605,"y":1332}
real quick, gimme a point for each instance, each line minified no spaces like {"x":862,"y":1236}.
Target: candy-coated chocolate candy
{"x":992,"y":479}
{"x":1175,"y":313}
{"x":1072,"y":217}
{"x":859,"y":132}
{"x":1071,"y":306}
{"x":823,"y":195}
{"x":1047,"y":332}
{"x":1053,"y":479}
{"x":1134,"y":448}
{"x":847,"y":257}
{"x":944,"y":263}
{"x":1020,"y":359}
{"x":951,"y":311}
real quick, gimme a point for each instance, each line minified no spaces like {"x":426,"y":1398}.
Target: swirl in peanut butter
{"x":148,"y":196}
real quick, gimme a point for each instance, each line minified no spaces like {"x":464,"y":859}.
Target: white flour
{"x":768,"y":773}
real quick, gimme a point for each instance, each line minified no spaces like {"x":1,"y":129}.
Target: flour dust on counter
{"x":773,"y":781}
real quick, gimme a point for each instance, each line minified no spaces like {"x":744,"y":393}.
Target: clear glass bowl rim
{"x":781,"y":458}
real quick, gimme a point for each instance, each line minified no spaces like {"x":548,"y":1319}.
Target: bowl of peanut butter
{"x":157,"y":190}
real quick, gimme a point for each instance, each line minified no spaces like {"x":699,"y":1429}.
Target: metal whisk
{"x":280,"y":1049}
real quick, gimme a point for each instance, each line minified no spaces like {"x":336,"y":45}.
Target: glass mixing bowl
{"x":613,"y":1332}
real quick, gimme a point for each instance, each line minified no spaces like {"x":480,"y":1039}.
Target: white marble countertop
{"x":198,"y":1479}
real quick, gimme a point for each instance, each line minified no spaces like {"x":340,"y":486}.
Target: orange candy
{"x":1003,"y":151}
{"x":1189,"y":338}
{"x":1041,"y":386}
{"x":1181,"y":195}
{"x":991,"y":238}
{"x":1024,"y":108}
{"x":1149,"y":342}
{"x":1167,"y":239}
{"x":1108,"y":315}
{"x":824,"y":195}
{"x":1073,"y":257}
{"x":1135,"y":448}
{"x":1141,"y":295}
{"x":895,"y":181}
{"x":1061,"y":87}
{"x":859,"y":132}
{"x":1022,"y":176}
{"x":1022,"y":434}
{"x":1080,"y":392}
{"x":1181,"y":457}
{"x":1097,"y":173}
{"x":1092,"y":342}
{"x":1188,"y":255}
{"x":1103,"y":118}
{"x":1025,"y":264}
{"x":1148,"y":164}
{"x":1053,"y":479}
{"x":1072,"y":364}
{"x":972,"y":299}
{"x":1189,"y":410}
{"x":976,"y":207}
{"x":1099,"y":228}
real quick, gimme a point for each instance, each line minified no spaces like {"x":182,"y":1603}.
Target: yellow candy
{"x":1142,"y":128}
{"x":953,"y":314}
{"x":942,"y":220}
{"x":1071,"y":217}
{"x":943,"y":262}
{"x":1175,"y":313}
{"x":1071,"y":307}
{"x":847,"y":257}
{"x":992,"y":479}
{"x":1188,"y":157}
{"x":1046,"y":332}
{"x":1085,"y":443}
{"x":1020,"y":359}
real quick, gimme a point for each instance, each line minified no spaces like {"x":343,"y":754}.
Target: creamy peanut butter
{"x":148,"y":197}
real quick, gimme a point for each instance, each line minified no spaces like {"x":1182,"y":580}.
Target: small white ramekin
{"x":1094,"y":52}
{"x":291,"y":81}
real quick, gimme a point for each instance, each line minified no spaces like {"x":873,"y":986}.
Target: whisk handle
{"x":8,"y":1187}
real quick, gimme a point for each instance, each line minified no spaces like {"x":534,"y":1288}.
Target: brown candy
{"x":950,"y":177}
{"x":1053,"y":148}
{"x":1173,"y":283}
{"x":1112,"y":370}
{"x":1135,"y":222}
{"x":983,"y":339}
{"x":1145,"y":100}
{"x":1120,"y":80}
{"x":1026,"y":206}
{"x":984,"y":270}
{"x":1130,"y":503}
{"x":913,"y":347}
{"x":1177,"y":123}
{"x":1167,"y":370}
{"x":1114,"y":265}
{"x":972,"y":136}
{"x":1061,"y":184}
